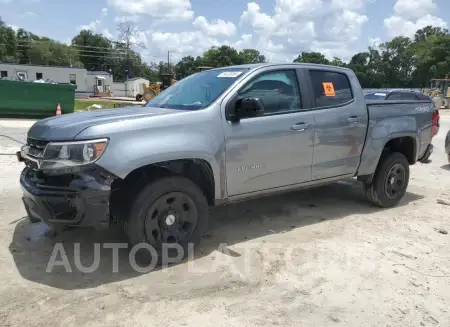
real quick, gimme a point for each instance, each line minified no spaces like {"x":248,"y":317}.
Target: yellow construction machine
{"x":439,"y":91}
{"x":153,"y":89}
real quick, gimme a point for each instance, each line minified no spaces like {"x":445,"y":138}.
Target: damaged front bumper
{"x":79,"y":199}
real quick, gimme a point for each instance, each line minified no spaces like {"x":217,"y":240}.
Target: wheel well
{"x":405,"y":145}
{"x":197,"y":170}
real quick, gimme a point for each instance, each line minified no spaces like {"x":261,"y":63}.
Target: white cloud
{"x":413,"y":9}
{"x":127,"y":18}
{"x":14,"y":27}
{"x":28,"y":14}
{"x":332,"y":27}
{"x":257,"y":20}
{"x":164,"y":9}
{"x":107,"y":33}
{"x":215,"y":28}
{"x":409,"y":16}
{"x":182,"y":44}
{"x":95,"y":24}
{"x":374,"y":42}
{"x":304,"y":25}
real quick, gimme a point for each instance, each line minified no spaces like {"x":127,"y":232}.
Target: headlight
{"x":69,"y":154}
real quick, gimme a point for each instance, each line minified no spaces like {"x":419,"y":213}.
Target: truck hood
{"x":67,"y":127}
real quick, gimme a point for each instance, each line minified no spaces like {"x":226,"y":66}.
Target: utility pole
{"x":168,"y":62}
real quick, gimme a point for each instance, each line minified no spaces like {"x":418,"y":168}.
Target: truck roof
{"x":268,"y":64}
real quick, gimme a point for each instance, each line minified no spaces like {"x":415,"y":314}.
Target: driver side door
{"x":273,"y":150}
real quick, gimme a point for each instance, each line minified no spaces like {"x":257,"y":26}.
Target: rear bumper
{"x":83,"y":201}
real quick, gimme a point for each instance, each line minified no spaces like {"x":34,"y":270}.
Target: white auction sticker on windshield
{"x":229,"y":74}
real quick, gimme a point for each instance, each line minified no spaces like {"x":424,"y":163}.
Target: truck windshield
{"x":198,"y":90}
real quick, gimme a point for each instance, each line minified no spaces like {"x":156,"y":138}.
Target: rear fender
{"x":380,"y":134}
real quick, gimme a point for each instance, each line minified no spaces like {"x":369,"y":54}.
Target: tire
{"x":378,"y":191}
{"x":138,"y":97}
{"x":148,"y":220}
{"x":427,"y":154}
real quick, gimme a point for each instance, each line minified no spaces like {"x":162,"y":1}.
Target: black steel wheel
{"x":390,"y":181}
{"x":395,"y":181}
{"x":169,"y":210}
{"x":172,"y":218}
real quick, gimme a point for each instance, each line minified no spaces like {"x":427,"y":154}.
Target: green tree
{"x":94,"y":50}
{"x":8,"y":42}
{"x":337,"y":62}
{"x":251,"y":56}
{"x":222,"y":56}
{"x":51,"y":53}
{"x":312,"y":57}
{"x":185,"y":67}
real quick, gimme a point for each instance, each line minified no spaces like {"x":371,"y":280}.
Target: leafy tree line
{"x":401,"y":62}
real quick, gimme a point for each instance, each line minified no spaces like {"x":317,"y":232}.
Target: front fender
{"x":125,"y":154}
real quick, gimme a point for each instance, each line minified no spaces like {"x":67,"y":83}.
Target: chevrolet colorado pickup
{"x":215,"y":137}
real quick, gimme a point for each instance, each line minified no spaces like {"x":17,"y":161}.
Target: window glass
{"x":38,"y":76}
{"x":409,"y":96}
{"x":394,"y":96}
{"x":197,"y":91}
{"x":73,"y":79}
{"x":3,"y":74}
{"x":330,"y":88}
{"x":278,"y":91}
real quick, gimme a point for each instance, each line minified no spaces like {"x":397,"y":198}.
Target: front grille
{"x":36,"y":143}
{"x":35,"y":152}
{"x":37,"y":147}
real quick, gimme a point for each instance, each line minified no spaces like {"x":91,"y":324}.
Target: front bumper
{"x":80,"y":199}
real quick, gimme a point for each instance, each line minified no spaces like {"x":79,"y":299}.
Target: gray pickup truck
{"x":216,"y":137}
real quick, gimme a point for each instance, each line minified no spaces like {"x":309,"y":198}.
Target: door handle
{"x":354,"y":119}
{"x":300,"y":127}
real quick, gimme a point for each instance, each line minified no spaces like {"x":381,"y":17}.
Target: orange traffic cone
{"x":58,"y":110}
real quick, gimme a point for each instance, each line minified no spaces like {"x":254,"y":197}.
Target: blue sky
{"x":280,"y":29}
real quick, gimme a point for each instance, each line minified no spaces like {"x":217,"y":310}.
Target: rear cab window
{"x":331,"y":89}
{"x":394,"y":96}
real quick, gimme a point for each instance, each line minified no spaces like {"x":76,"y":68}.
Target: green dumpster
{"x":27,"y":99}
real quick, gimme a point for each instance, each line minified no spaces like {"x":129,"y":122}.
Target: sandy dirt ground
{"x":319,"y":257}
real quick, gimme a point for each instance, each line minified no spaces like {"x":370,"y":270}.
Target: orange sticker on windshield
{"x":328,"y":88}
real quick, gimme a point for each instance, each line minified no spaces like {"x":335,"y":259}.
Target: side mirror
{"x":246,"y":108}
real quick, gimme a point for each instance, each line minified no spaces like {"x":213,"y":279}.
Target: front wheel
{"x":167,"y":211}
{"x":390,"y":181}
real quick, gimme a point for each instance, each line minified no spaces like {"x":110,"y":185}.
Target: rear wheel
{"x":390,"y":181}
{"x":172,"y":210}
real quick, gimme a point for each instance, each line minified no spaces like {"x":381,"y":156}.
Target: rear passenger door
{"x":340,"y":123}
